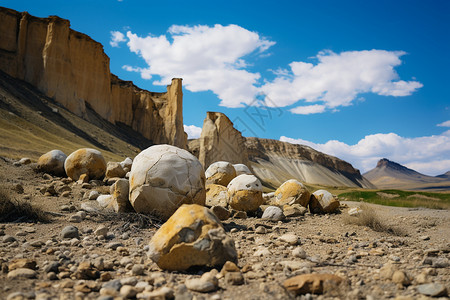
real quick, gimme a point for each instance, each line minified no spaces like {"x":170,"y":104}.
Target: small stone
{"x":22,"y":263}
{"x":261,"y":230}
{"x":234,"y":278}
{"x":93,"y":195}
{"x":401,"y":278}
{"x":113,"y":284}
{"x":240,"y":214}
{"x":229,"y":267}
{"x":25,"y":161}
{"x":424,"y":237}
{"x":199,"y":285}
{"x":273,"y":213}
{"x":8,"y":239}
{"x":290,"y":238}
{"x":221,"y":212}
{"x":114,"y":245}
{"x":137,"y":270}
{"x":262,"y":251}
{"x":128,"y":291}
{"x":432,"y":289}
{"x":70,"y":232}
{"x":101,"y":230}
{"x":75,"y":219}
{"x":22,"y":273}
{"x":299,"y":252}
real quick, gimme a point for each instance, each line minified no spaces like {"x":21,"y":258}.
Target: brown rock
{"x":292,"y":192}
{"x":216,"y":195}
{"x":120,"y":201}
{"x":221,"y":212}
{"x":311,"y":283}
{"x":193,"y":236}
{"x":87,"y":271}
{"x":22,"y":263}
{"x":220,"y":172}
{"x":114,"y":169}
{"x":85,"y":161}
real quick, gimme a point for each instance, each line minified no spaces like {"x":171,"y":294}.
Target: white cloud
{"x":444,"y":124}
{"x":428,"y":155}
{"x":192,"y":131}
{"x":207,"y":58}
{"x":116,"y":38}
{"x":308,"y":109}
{"x":337,"y":79}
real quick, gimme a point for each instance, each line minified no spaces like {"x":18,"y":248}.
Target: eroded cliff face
{"x":220,"y":141}
{"x":73,"y":69}
{"x":275,"y":162}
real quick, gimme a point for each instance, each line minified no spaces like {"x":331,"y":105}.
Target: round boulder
{"x":245,"y":193}
{"x":291,"y":192}
{"x":220,"y":172}
{"x":241,"y":169}
{"x":164,"y":177}
{"x":52,"y":162}
{"x":323,"y":201}
{"x":85,"y":161}
{"x":216,"y":195}
{"x":193,"y":236}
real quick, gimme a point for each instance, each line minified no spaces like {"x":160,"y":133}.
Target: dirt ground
{"x":419,"y":247}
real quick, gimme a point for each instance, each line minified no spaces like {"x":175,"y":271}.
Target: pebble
{"x":114,"y":245}
{"x":199,"y":285}
{"x":8,"y":239}
{"x":432,"y":289}
{"x":93,"y":195}
{"x":75,"y":219}
{"x":137,"y":270}
{"x":262,"y":251}
{"x":299,"y":252}
{"x":101,"y":230}
{"x":261,"y":230}
{"x":22,"y":273}
{"x":70,"y":232}
{"x":290,"y":238}
{"x":273,"y":213}
{"x":401,"y":278}
{"x":128,"y":291}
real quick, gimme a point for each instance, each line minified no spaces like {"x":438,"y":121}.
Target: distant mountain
{"x":388,"y":174}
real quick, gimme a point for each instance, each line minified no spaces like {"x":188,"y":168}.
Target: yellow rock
{"x":216,"y":195}
{"x":220,"y":172}
{"x":85,"y":161}
{"x":245,"y":193}
{"x":192,"y":236}
{"x":291,"y":192}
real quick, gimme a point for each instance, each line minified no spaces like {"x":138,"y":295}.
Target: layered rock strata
{"x":73,"y":69}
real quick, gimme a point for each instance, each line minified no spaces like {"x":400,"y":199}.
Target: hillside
{"x":388,"y":175}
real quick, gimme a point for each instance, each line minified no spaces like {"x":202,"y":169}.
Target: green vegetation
{"x":400,"y":198}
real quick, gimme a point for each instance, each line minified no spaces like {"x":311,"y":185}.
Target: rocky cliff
{"x":73,"y":69}
{"x":220,"y":141}
{"x":275,"y":162}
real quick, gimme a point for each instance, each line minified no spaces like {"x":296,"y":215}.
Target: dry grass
{"x":12,"y":210}
{"x":369,"y":218}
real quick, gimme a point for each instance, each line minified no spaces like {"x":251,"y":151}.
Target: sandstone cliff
{"x":275,"y":162}
{"x":220,"y":141}
{"x":73,"y":69}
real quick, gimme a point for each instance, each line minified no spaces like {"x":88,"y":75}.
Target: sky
{"x":360,"y":80}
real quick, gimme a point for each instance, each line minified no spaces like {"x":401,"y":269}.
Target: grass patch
{"x":400,"y":198}
{"x":12,"y":210}
{"x":369,"y":218}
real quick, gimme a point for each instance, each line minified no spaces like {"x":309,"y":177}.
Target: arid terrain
{"x":415,"y":242}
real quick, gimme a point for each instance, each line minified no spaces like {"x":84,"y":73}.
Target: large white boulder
{"x":245,"y":193}
{"x":164,"y":177}
{"x":85,"y":161}
{"x":220,"y":172}
{"x":52,"y":162}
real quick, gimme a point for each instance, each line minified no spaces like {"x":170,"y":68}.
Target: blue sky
{"x":360,"y":80}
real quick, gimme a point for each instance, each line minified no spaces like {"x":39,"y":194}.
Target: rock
{"x":220,"y":172}
{"x":354,"y":211}
{"x":22,"y":263}
{"x":106,"y":201}
{"x":137,"y":270}
{"x":162,"y":293}
{"x":273,"y":213}
{"x":114,"y":169}
{"x":229,"y":267}
{"x":221,"y":212}
{"x":193,"y":236}
{"x":269,"y":198}
{"x":245,"y":193}
{"x":432,"y":289}
{"x":299,"y":252}
{"x":126,"y":164}
{"x":242,"y":169}
{"x":120,"y":202}
{"x":22,"y":273}
{"x":85,"y":161}
{"x":199,"y":285}
{"x":52,"y":162}
{"x":323,"y":202}
{"x":216,"y":195}
{"x":24,"y":161}
{"x":8,"y":239}
{"x":290,"y":238}
{"x":294,"y":210}
{"x":234,"y":278}
{"x":128,"y":292}
{"x":164,"y":177}
{"x":101,"y":230}
{"x":262,"y":251}
{"x":87,"y":271}
{"x":220,"y":141}
{"x":70,"y":232}
{"x":291,"y":192}
{"x":401,"y":278}
{"x":237,"y":214}
{"x":260,"y":230}
{"x":93,"y":195}
{"x":311,"y":283}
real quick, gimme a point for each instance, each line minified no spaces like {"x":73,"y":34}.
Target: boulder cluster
{"x":171,"y":184}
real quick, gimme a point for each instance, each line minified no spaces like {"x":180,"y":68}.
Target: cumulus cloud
{"x":444,"y":124}
{"x":428,"y":155}
{"x":337,"y":79}
{"x":192,"y":131}
{"x":207,"y":58}
{"x":308,"y":109}
{"x":116,"y":38}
